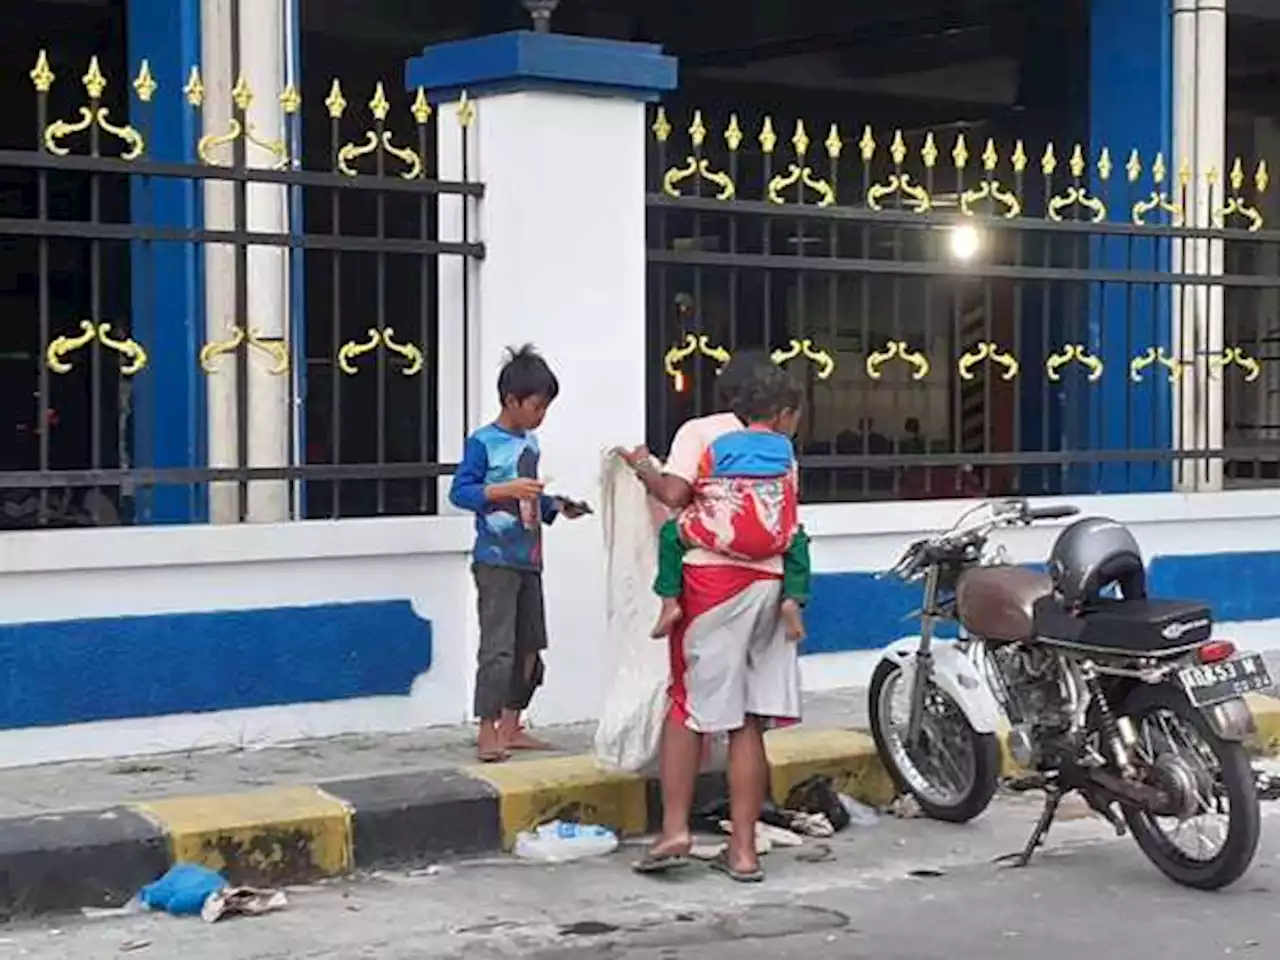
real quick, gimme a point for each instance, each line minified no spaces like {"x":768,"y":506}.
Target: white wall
{"x":78,"y":574}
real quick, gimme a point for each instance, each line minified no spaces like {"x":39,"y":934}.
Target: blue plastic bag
{"x":183,"y":890}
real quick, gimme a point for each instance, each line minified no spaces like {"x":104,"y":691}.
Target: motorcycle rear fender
{"x":956,"y":675}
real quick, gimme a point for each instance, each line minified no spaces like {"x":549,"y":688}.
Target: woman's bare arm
{"x":671,"y":491}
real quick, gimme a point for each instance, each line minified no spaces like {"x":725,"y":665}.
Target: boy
{"x":745,"y":505}
{"x":498,"y":481}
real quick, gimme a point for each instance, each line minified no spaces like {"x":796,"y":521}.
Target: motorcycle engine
{"x":1029,"y":681}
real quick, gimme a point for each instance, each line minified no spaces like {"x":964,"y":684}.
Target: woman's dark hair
{"x":732,"y":375}
{"x":762,"y":390}
{"x":525,"y":374}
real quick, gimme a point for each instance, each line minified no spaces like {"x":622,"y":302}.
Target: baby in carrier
{"x":745,"y":506}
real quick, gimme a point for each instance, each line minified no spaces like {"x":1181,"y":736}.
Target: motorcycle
{"x":1126,"y":701}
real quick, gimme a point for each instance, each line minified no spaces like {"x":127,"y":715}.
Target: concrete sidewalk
{"x":91,"y":834}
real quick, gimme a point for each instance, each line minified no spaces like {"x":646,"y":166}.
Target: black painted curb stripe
{"x":87,"y":858}
{"x":407,"y":817}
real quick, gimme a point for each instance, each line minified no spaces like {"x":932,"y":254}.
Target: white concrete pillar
{"x":1210,"y":165}
{"x":219,"y":259}
{"x":1182,"y":308}
{"x":262,"y":44}
{"x":1199,"y":142}
{"x":563,"y":223}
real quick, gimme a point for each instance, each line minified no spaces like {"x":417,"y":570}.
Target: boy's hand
{"x":522,"y":488}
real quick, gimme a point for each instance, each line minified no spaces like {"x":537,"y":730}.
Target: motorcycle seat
{"x":1144,"y":627}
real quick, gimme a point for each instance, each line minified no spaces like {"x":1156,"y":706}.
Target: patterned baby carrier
{"x":746,"y":500}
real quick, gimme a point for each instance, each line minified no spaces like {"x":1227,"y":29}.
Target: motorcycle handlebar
{"x":1052,"y":513}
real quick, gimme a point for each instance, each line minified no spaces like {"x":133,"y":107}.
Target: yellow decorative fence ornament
{"x":1159,"y":200}
{"x":1236,"y":356}
{"x":914,"y":197}
{"x":692,"y":344}
{"x":696,"y":165}
{"x":801,"y":173}
{"x":990,"y":188}
{"x":242,"y":97}
{"x":273,"y":347}
{"x":897,"y":350}
{"x":128,"y":348}
{"x":410,"y":352}
{"x":95,"y":113}
{"x":1236,"y":205}
{"x":63,"y":346}
{"x":991,"y":353}
{"x":1073,"y":353}
{"x":378,"y":139}
{"x":805,"y":348}
{"x":1153,"y":356}
{"x":1077,"y":194}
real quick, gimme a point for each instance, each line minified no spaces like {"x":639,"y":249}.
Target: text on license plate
{"x":1215,"y":682}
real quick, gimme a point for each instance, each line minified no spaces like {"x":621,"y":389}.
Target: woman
{"x":732,"y":668}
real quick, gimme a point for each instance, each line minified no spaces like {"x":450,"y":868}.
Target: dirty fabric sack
{"x":636,"y":705}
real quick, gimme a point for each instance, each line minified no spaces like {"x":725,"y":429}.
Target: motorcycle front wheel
{"x":1211,"y":839}
{"x":953,"y":770}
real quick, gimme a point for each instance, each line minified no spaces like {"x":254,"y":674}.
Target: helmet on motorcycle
{"x":1091,"y":555}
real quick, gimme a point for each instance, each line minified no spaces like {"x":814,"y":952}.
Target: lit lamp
{"x":965,"y":242}
{"x":541,"y":11}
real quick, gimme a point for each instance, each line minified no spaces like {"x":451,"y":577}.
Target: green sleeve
{"x":796,"y":574}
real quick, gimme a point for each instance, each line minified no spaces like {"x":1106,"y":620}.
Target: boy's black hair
{"x":525,"y":374}
{"x":763,"y":390}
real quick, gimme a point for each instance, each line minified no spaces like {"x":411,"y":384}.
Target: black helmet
{"x":1091,"y":555}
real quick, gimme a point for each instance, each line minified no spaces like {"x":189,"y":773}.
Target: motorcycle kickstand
{"x":1052,"y":798}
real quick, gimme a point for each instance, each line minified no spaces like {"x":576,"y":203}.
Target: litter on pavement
{"x":188,"y":890}
{"x":560,"y":842}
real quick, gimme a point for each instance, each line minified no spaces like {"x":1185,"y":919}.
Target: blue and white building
{"x":302,"y":232}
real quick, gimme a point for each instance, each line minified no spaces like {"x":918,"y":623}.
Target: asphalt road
{"x":896,"y":890}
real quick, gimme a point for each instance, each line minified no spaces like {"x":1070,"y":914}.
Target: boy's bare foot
{"x":489,"y":746}
{"x":516,"y":737}
{"x":668,"y":618}
{"x":793,"y":620}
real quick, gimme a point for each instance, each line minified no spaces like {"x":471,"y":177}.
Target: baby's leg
{"x":668,"y":582}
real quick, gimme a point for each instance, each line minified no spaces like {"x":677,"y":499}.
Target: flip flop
{"x":721,"y":864}
{"x":653,"y":864}
{"x":492,"y":756}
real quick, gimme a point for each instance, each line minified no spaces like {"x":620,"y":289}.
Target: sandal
{"x":655,"y":864}
{"x":721,"y":864}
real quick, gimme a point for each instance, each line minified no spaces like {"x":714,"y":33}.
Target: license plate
{"x":1215,"y":682}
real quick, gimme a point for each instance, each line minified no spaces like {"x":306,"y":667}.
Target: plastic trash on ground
{"x":559,"y":842}
{"x":241,"y":902}
{"x":183,"y":890}
{"x":860,"y":815}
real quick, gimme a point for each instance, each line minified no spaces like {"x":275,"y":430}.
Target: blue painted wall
{"x":167,"y":297}
{"x":855,"y":611}
{"x":1130,"y":106}
{"x":110,"y":669}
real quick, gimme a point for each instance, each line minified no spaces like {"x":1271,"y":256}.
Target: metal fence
{"x":970,"y":316}
{"x":309,"y":299}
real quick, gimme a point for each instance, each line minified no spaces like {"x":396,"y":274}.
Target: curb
{"x":298,"y":834}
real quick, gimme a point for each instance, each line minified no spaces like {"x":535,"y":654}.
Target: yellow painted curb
{"x":531,"y":792}
{"x":285,"y":834}
{"x":1266,"y":715}
{"x":846,"y":756}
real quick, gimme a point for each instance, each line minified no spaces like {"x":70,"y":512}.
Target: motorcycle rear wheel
{"x":959,"y":804}
{"x":1233,"y":781}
